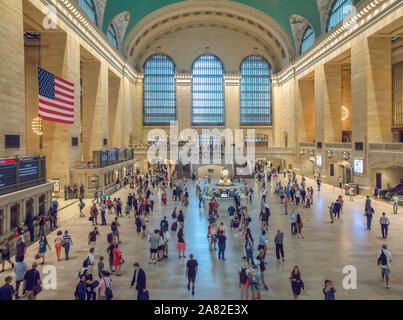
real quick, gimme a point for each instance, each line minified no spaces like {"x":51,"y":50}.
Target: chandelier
{"x":37,"y":126}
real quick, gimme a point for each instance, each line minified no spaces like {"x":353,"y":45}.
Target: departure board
{"x":8,"y":172}
{"x":28,"y":169}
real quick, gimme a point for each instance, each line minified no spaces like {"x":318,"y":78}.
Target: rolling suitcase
{"x":174,"y":226}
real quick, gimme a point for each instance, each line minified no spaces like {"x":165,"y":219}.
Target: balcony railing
{"x":386,"y":147}
{"x":339,"y":145}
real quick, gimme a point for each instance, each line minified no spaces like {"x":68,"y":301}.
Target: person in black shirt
{"x":221,"y":244}
{"x":31,"y":279}
{"x":110,"y":252}
{"x":191,"y":271}
{"x":7,"y":291}
{"x":164,"y":224}
{"x":92,"y":237}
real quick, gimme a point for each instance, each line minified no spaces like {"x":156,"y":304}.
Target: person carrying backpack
{"x":255,"y":279}
{"x":244,"y":273}
{"x":384,"y":261}
{"x":104,"y":290}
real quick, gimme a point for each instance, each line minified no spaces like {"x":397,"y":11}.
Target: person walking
{"x":293,"y":222}
{"x":32,"y":281}
{"x":7,"y":290}
{"x":298,"y":226}
{"x":20,"y":268}
{"x":43,"y":244}
{"x":181,"y":220}
{"x":260,"y":258}
{"x":255,"y":279}
{"x":94,"y":214}
{"x":154,"y":242}
{"x":395,"y":203}
{"x":67,"y":242}
{"x":117,"y":260}
{"x":384,"y":261}
{"x":181,"y":245}
{"x":103,"y":213}
{"x":278,"y":241}
{"x":296,"y":282}
{"x":104,"y":286}
{"x":244,"y":273}
{"x":92,"y":237}
{"x":5,"y":254}
{"x":369,"y":212}
{"x":248,"y":246}
{"x":191,"y":272}
{"x":139,"y":279}
{"x":384,"y":221}
{"x":221,"y":244}
{"x":285,"y":205}
{"x":59,"y":244}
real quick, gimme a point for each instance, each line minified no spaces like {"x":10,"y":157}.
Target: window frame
{"x":333,"y":10}
{"x":91,"y":5}
{"x":114,"y":35}
{"x":208,"y":124}
{"x":256,"y":124}
{"x":175,"y":115}
{"x":305,"y":38}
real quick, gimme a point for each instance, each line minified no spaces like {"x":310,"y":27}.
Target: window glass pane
{"x":255,"y":92}
{"x":112,"y":36}
{"x":307,"y":40}
{"x":89,"y":9}
{"x":207,"y":91}
{"x":159,"y":91}
{"x":340,"y":10}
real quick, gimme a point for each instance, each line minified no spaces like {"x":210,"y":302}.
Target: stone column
{"x":305,"y":104}
{"x":371,"y":90}
{"x":95,"y":106}
{"x":116,"y":111}
{"x":12,"y":75}
{"x":138,"y":113}
{"x":184,"y":102}
{"x":61,"y":55}
{"x":232,"y":102}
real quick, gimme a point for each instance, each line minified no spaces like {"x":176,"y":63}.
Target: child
{"x":101,"y":266}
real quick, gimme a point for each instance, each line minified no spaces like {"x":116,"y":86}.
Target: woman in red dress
{"x":164,"y":199}
{"x":117,"y":260}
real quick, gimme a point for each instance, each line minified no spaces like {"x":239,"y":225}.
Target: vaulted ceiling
{"x":279,"y":10}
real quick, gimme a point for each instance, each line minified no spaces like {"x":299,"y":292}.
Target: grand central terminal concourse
{"x":201,"y":150}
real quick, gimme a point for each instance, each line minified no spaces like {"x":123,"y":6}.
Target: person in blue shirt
{"x":329,"y":290}
{"x":20,"y":268}
{"x":103,"y":212}
{"x":231,"y":210}
{"x":7,"y":290}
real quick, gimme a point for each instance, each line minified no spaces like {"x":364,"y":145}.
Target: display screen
{"x":359,"y":166}
{"x":8,"y":173}
{"x":319,"y":160}
{"x":28,"y":169}
{"x":113,"y":155}
{"x":224,"y":194}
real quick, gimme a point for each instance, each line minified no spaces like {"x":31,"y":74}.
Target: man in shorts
{"x":384,"y":261}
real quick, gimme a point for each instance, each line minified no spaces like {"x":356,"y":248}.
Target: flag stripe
{"x":65,"y":115}
{"x":48,"y":114}
{"x":58,"y":99}
{"x":62,"y":112}
{"x":53,"y":119}
{"x":63,"y":88}
{"x":64,"y":95}
{"x":51,"y":104}
{"x":64,"y":81}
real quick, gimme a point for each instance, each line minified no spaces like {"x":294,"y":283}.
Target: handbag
{"x":37,"y":256}
{"x":37,"y":287}
{"x":91,"y":219}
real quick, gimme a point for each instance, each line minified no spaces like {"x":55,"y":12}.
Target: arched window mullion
{"x":159,"y":99}
{"x":208,"y":91}
{"x":256,"y":94}
{"x":112,"y":35}
{"x":339,"y":10}
{"x":89,"y":8}
{"x":308,"y":39}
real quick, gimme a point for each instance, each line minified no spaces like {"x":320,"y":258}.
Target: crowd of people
{"x":293,"y":195}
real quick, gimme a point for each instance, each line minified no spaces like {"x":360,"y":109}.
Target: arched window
{"x":89,"y":8}
{"x":307,"y":40}
{"x":159,"y":91}
{"x":255,"y":91}
{"x":112,"y":36}
{"x":340,"y":10}
{"x":207,"y":91}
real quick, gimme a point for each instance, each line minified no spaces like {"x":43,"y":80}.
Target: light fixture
{"x":344,"y":113}
{"x":301,"y":151}
{"x":329,"y":153}
{"x":311,"y":152}
{"x":37,"y":126}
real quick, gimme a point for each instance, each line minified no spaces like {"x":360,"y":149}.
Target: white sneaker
{"x":387,"y":286}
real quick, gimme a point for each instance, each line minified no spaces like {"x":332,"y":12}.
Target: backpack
{"x":242,"y":276}
{"x":86,"y":262}
{"x":108,"y":292}
{"x":382,"y":260}
{"x":255,"y":276}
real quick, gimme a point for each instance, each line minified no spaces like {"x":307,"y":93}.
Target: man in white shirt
{"x":264,"y":192}
{"x":384,"y":261}
{"x":395,"y":202}
{"x":384,"y":221}
{"x":293,"y":221}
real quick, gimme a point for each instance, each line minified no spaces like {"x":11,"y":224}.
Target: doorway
{"x":379,"y":181}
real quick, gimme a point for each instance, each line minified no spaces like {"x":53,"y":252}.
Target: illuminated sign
{"x":319,"y":160}
{"x":359,"y":166}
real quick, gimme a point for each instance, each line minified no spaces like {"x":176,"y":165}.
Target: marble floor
{"x":323,"y":253}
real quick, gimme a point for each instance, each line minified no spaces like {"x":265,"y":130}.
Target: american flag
{"x":56,"y":98}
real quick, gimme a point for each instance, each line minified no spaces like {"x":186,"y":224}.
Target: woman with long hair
{"x":181,"y":246}
{"x":43,"y":244}
{"x":117,"y":259}
{"x":299,"y":226}
{"x":59,"y":244}
{"x":296,"y":282}
{"x":161,"y":244}
{"x":248,"y":246}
